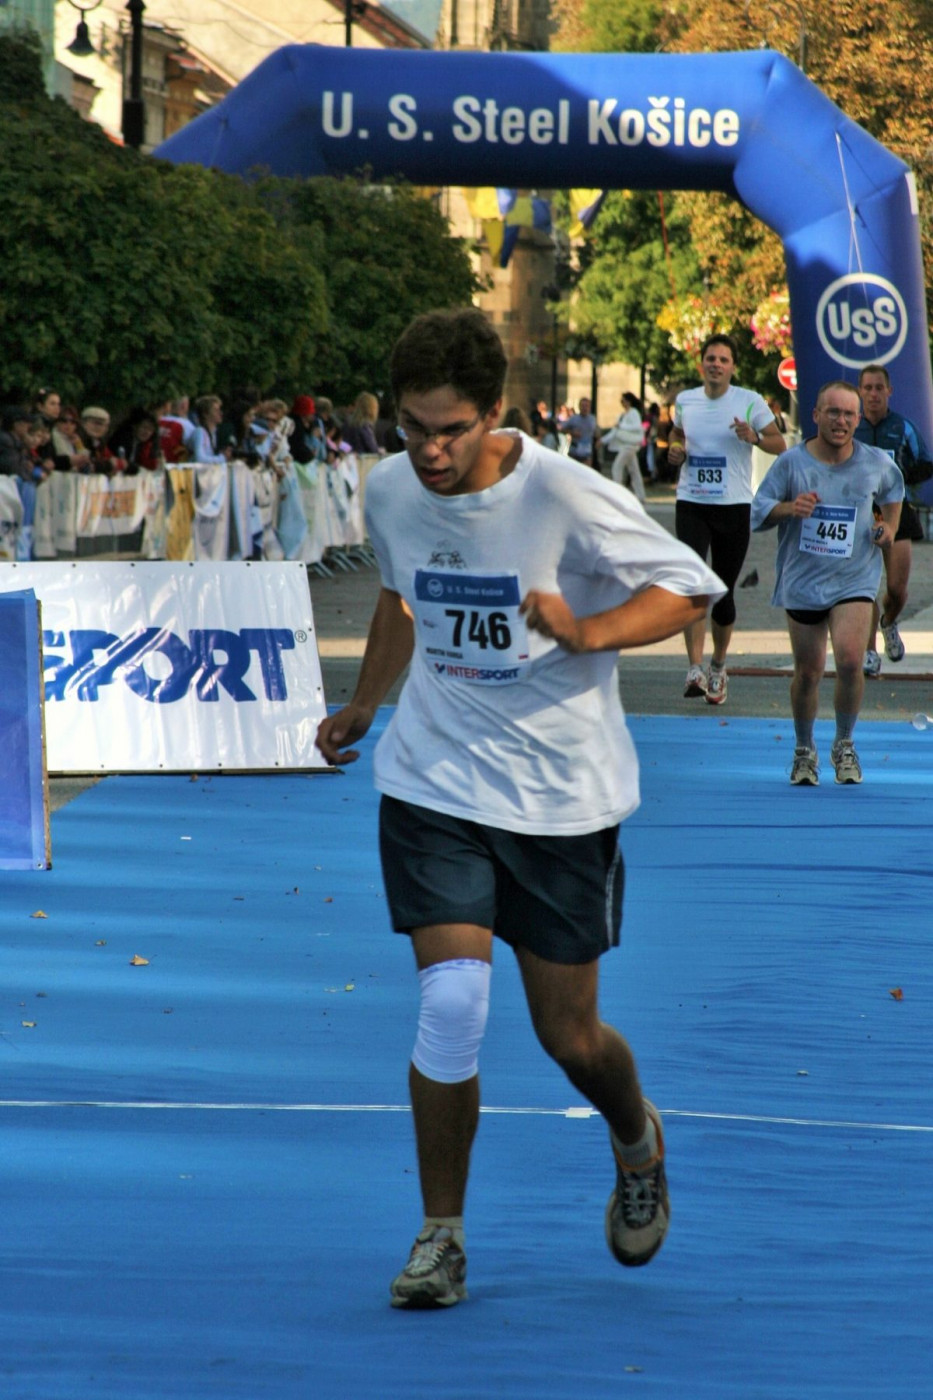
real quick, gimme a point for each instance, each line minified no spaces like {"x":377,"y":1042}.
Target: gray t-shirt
{"x":831,"y":556}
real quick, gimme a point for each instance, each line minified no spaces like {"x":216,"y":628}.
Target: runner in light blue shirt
{"x":820,"y":496}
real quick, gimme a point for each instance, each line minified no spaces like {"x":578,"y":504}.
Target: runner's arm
{"x":677,"y":446}
{"x":649,"y":616}
{"x":890,"y":519}
{"x":771,"y":439}
{"x":388,"y":651}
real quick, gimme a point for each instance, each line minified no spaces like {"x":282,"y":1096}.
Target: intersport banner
{"x":156,"y":667}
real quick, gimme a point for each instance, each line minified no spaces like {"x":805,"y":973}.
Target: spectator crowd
{"x":50,"y":436}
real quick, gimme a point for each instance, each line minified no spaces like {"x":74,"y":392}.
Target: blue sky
{"x":421,"y":14}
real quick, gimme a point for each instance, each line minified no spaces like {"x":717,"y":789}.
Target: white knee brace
{"x":452,"y":1020}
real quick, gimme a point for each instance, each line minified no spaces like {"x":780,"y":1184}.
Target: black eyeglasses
{"x":418,"y":435}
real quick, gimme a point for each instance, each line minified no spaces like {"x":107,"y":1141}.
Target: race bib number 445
{"x":829,"y":531}
{"x":469,"y":628}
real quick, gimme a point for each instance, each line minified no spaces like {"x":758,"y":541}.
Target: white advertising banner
{"x":161,"y":668}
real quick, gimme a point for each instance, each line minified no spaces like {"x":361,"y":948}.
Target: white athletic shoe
{"x":871,"y":666}
{"x":844,"y":759}
{"x":717,"y":686}
{"x":696,"y":683}
{"x":805,"y":770}
{"x":435,"y":1275}
{"x":639,"y":1210}
{"x":894,"y":648}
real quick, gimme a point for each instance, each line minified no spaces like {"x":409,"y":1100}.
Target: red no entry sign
{"x":787,"y":373}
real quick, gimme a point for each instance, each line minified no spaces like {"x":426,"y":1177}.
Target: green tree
{"x":127,"y":279}
{"x":634,"y":262}
{"x":387,"y":256}
{"x":876,"y":64}
{"x":597,"y":27}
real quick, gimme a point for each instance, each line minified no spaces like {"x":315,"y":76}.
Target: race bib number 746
{"x":469,"y":627}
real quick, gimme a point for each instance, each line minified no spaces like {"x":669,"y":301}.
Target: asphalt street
{"x":651,"y":679}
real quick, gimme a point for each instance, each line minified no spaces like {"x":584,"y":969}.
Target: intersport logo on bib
{"x":861,"y":319}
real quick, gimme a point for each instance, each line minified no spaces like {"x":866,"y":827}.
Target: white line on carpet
{"x":577,"y":1112}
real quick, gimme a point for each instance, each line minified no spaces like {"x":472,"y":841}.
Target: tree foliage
{"x":127,"y":279}
{"x":388,"y":256}
{"x":875,"y":63}
{"x":597,"y":27}
{"x":634,"y":263}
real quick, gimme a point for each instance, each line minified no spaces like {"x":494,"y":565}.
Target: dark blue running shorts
{"x":809,"y":617}
{"x":558,"y":896}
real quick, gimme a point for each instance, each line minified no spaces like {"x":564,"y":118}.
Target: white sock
{"x":454,"y":1223}
{"x":640,"y":1153}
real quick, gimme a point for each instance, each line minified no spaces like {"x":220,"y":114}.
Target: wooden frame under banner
{"x":25,"y":831}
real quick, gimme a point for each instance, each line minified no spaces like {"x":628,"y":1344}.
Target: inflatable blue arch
{"x":749,"y":124}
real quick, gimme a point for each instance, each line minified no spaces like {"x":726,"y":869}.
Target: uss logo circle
{"x":861,"y":319}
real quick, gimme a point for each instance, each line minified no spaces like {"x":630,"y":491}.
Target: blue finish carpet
{"x":208,"y":1173}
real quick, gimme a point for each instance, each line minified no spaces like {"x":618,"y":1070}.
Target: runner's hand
{"x":337,"y":731}
{"x":804,"y":504}
{"x":549,"y":615}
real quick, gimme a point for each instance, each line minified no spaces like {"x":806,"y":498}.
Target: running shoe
{"x":805,"y":770}
{"x":894,"y":648}
{"x":696,"y":683}
{"x":435,"y":1275}
{"x":872,"y":664}
{"x":717,"y":687}
{"x":639,"y":1211}
{"x":845,"y":761}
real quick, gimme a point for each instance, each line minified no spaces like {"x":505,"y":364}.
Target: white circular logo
{"x":864,"y":327}
{"x":435,"y":587}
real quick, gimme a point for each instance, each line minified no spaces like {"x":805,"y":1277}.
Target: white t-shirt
{"x":628,"y":431}
{"x":718,"y":467}
{"x":496,"y":724}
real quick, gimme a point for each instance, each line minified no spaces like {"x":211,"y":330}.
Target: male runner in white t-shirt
{"x":715,"y":427}
{"x":511,"y":578}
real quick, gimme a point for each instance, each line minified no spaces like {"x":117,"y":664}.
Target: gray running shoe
{"x":894,"y":648}
{"x":435,"y":1275}
{"x":717,"y":687}
{"x":845,"y":761}
{"x":871,"y":666}
{"x":805,"y":770}
{"x":696,"y":683}
{"x":639,"y":1211}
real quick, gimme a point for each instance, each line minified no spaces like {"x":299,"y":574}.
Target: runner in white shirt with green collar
{"x":715,"y":428}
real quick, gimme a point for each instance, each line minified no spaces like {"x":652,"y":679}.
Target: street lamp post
{"x":552,"y":293}
{"x":134,"y":109}
{"x":81,"y":45}
{"x":352,"y":9}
